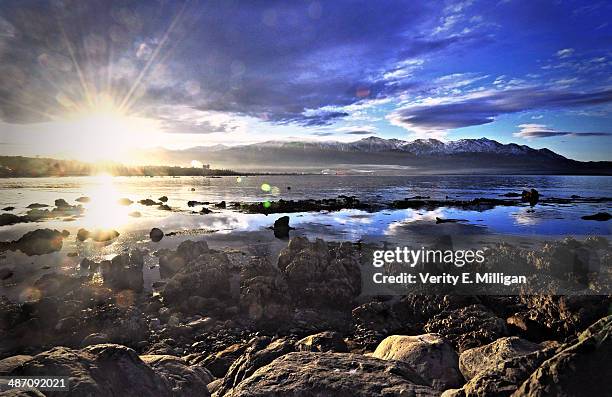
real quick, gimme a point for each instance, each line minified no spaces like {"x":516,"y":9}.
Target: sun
{"x":103,"y":132}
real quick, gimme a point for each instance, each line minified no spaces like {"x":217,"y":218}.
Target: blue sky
{"x":181,"y":74}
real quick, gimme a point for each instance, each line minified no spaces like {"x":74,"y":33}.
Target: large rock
{"x":503,"y":378}
{"x":582,"y":369}
{"x":264,"y":292}
{"x":467,"y":327}
{"x":307,"y":374}
{"x":202,"y":285}
{"x":261,"y":351}
{"x":124,"y":271}
{"x":170,"y":262}
{"x":327,"y":341}
{"x":321,"y":274}
{"x":478,"y":359}
{"x":184,"y":379}
{"x":560,"y":316}
{"x":430,"y":355}
{"x":100,"y":370}
{"x":36,"y":242}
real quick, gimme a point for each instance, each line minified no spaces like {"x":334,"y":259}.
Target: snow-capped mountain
{"x":418,"y":156}
{"x":418,"y":147}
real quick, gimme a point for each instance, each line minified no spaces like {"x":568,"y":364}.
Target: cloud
{"x":360,"y":132}
{"x":268,"y":60}
{"x":565,"y":53}
{"x":531,"y":131}
{"x":482,"y":107}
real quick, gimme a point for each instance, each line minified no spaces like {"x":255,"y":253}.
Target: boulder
{"x":156,"y":235}
{"x":320,"y":274}
{"x":582,"y":369}
{"x":163,"y":199}
{"x":263,"y":292}
{"x":281,"y":227}
{"x":327,"y":341}
{"x":307,"y":374}
{"x":502,"y":378}
{"x":261,"y":351}
{"x":430,"y":355}
{"x":185,"y":380}
{"x":467,"y":327}
{"x":124,"y":271}
{"x":37,"y":242}
{"x":99,"y":370}
{"x":600,"y":216}
{"x":530,"y":196}
{"x":478,"y":359}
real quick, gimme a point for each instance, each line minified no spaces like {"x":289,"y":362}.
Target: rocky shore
{"x":298,"y":324}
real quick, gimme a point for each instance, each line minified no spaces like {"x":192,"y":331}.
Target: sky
{"x":94,"y":80}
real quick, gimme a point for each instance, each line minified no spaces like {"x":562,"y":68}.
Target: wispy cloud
{"x":531,"y":131}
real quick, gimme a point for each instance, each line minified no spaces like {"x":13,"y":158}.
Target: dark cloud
{"x":323,"y":133}
{"x":483,"y":108}
{"x":530,"y":131}
{"x":272,"y":60}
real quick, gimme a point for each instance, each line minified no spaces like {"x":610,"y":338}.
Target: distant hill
{"x":18,"y":166}
{"x":419,"y":156}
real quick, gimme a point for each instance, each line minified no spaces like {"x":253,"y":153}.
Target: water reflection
{"x":104,"y":210}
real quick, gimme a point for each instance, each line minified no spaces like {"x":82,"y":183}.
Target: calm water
{"x":249,"y":233}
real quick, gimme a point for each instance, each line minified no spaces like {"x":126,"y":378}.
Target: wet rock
{"x":164,"y":207}
{"x":281,"y":227}
{"x":582,"y":369}
{"x":478,"y":359}
{"x":430,"y":355}
{"x":309,"y":374}
{"x":8,"y":208}
{"x":124,"y":271}
{"x":468,"y":327}
{"x":97,"y":235}
{"x":309,"y":205}
{"x":10,"y":363}
{"x":82,"y":234}
{"x":37,"y":242}
{"x":530,"y":196}
{"x":193,"y":203}
{"x":205,"y":211}
{"x":185,"y":380}
{"x":99,"y":370}
{"x":125,"y":201}
{"x":37,"y":205}
{"x":156,"y":235}
{"x":171,"y":262}
{"x":83,"y":199}
{"x":163,"y":199}
{"x":261,"y":351}
{"x":328,"y":341}
{"x":65,"y":233}
{"x":148,"y":202}
{"x":321,"y":275}
{"x":600,"y":216}
{"x":221,"y":205}
{"x":219,"y":363}
{"x":61,"y":203}
{"x":11,"y":219}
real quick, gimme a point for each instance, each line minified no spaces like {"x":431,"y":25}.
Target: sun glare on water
{"x":104,"y":210}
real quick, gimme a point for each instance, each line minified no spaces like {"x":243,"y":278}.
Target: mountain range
{"x":373,"y":153}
